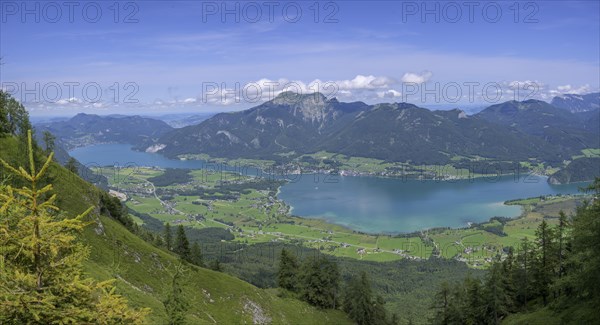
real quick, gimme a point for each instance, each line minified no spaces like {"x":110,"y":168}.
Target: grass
{"x":143,"y":272}
{"x":575,"y":314}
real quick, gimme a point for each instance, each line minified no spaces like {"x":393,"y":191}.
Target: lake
{"x":369,"y":204}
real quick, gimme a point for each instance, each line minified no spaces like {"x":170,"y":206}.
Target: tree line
{"x":559,"y":269}
{"x":14,"y":118}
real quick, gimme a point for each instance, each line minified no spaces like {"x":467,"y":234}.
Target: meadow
{"x":249,"y":208}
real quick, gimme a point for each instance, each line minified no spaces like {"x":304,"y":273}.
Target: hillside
{"x":144,"y":271}
{"x":557,"y":127}
{"x":292,"y":124}
{"x":62,"y":157}
{"x":579,"y":170}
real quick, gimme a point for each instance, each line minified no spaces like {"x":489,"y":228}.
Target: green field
{"x":255,"y":215}
{"x":588,"y":153}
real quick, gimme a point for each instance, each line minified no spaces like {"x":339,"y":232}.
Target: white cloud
{"x":568,"y":89}
{"x":72,"y":100}
{"x":525,"y":84}
{"x":189,"y":100}
{"x":411,"y":77}
{"x":390,"y":93}
{"x":365,"y":82}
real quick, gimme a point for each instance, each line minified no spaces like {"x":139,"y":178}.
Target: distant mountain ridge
{"x":86,"y":129}
{"x":293,"y":124}
{"x":179,"y":120}
{"x":577,"y":103}
{"x":557,"y":127}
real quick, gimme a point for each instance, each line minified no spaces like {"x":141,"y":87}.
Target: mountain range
{"x":577,"y":103}
{"x":292,"y":124}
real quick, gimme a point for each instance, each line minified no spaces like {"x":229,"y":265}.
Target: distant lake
{"x":368,"y":204}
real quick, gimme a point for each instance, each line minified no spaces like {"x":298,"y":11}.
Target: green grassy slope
{"x":579,"y":314}
{"x":143,"y":272}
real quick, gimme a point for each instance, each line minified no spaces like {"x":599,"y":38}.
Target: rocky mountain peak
{"x":313,"y":107}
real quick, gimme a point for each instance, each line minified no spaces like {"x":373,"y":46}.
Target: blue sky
{"x":171,"y":56}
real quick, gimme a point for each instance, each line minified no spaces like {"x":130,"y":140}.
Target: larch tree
{"x":41,"y":260}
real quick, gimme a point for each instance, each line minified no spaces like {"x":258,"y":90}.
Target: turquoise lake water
{"x":367,"y":204}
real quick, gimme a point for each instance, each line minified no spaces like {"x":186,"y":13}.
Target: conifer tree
{"x":584,"y":273}
{"x":41,"y":271}
{"x":524,"y":273}
{"x":215,"y":265}
{"x":544,"y":261}
{"x":49,"y":142}
{"x":175,"y":304}
{"x":196,"y":254}
{"x":473,"y":301}
{"x":563,"y":224}
{"x":287,"y":275}
{"x":168,"y":237}
{"x":360,"y":304}
{"x":441,"y":304}
{"x":495,"y":297}
{"x":319,"y":282}
{"x":182,"y":245}
{"x":71,"y":165}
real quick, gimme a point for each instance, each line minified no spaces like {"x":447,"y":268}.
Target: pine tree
{"x":158,"y":240}
{"x":14,"y":118}
{"x":319,"y":282}
{"x":41,"y":269}
{"x":175,"y":304}
{"x":287,"y":275}
{"x":182,"y":245}
{"x":473,"y":313}
{"x":524,"y":273}
{"x":168,"y":237}
{"x":456,"y":306}
{"x":508,"y":274}
{"x":495,"y":297}
{"x":215,"y":265}
{"x":49,"y":142}
{"x":544,"y":262}
{"x":563,"y":224}
{"x":583,"y":276}
{"x":196,"y":255}
{"x":441,"y":304}
{"x":360,"y":305}
{"x":71,"y":165}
